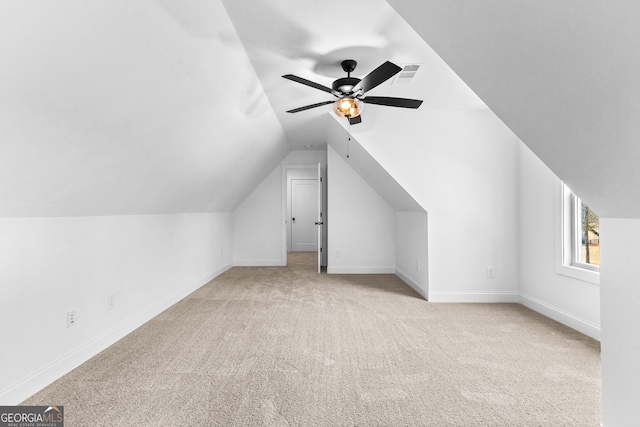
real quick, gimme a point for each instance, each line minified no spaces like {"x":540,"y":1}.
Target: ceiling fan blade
{"x":377,"y":76}
{"x":309,"y":83}
{"x":355,"y":120}
{"x":392,"y":102}
{"x":307,"y":107}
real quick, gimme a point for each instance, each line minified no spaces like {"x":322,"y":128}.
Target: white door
{"x":320,"y":222}
{"x":304,"y":214}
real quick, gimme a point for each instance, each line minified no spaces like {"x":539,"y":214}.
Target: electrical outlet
{"x":71,"y":318}
{"x":337,"y":252}
{"x":490,"y":273}
{"x":111,"y":301}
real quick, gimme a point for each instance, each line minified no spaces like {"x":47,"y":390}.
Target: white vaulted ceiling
{"x":114,"y":107}
{"x":564,"y":76}
{"x":119,"y":107}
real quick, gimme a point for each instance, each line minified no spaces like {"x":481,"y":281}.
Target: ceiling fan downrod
{"x":345,"y":85}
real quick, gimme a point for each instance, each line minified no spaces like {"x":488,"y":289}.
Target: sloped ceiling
{"x":562,"y":75}
{"x":112,"y":107}
{"x":310,"y":38}
{"x":369,"y":169}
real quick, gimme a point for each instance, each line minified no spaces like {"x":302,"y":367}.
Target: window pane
{"x":589,"y":228}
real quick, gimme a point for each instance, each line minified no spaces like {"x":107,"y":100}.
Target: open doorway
{"x":304,"y":203}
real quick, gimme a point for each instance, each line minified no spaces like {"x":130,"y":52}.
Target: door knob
{"x":319,"y":223}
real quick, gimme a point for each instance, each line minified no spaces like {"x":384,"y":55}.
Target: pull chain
{"x":349,"y":139}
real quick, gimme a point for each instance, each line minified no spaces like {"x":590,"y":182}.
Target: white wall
{"x":53,"y":265}
{"x":259,"y":223}
{"x":463,"y":171}
{"x":620,"y":292}
{"x":361,"y":224}
{"x":412,"y":260}
{"x":305,"y":157}
{"x":484,"y":189}
{"x":574,"y":302}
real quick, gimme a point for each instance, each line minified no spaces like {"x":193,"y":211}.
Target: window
{"x":585,"y":235}
{"x":578,"y":248}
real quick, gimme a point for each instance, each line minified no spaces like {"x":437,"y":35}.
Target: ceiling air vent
{"x":407,"y":74}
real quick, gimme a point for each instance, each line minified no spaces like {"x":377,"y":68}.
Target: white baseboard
{"x":561,"y":316}
{"x":486,"y":297}
{"x":414,"y":285}
{"x":361,"y":270}
{"x":259,"y":263}
{"x":21,"y":390}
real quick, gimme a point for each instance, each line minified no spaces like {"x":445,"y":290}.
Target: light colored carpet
{"x":285,"y":346}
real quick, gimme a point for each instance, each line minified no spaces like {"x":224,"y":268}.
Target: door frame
{"x":311,"y":167}
{"x":320,"y":217}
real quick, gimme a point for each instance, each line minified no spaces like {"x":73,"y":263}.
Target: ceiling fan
{"x":351,"y":91}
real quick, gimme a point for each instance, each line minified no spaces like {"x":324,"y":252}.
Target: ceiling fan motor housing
{"x":345,"y":84}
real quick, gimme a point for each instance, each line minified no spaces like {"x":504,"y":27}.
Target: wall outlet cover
{"x":71,"y":318}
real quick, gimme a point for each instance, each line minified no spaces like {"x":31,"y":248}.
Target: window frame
{"x":566,"y":241}
{"x":576,"y":234}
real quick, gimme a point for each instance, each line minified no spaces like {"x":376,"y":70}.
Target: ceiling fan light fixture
{"x":348,"y":107}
